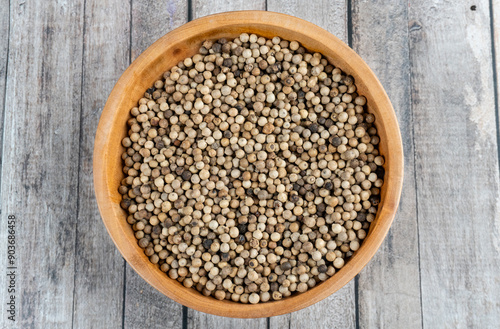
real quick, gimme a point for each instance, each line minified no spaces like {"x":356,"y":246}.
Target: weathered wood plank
{"x":145,"y":307}
{"x":332,"y":16}
{"x":197,"y":319}
{"x":495,"y":12}
{"x":389,"y":286}
{"x":336,"y":311}
{"x":202,"y":8}
{"x":40,"y":163}
{"x":4,"y":46}
{"x":99,"y":267}
{"x":456,"y":163}
{"x":152,"y":19}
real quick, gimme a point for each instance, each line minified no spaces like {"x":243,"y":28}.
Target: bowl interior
{"x":184,"y":42}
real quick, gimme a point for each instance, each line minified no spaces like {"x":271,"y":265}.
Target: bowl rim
{"x":108,"y":202}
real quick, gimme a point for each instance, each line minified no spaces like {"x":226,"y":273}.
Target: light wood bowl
{"x":184,"y":42}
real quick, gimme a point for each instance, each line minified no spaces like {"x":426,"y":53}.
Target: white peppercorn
{"x":252,"y":169}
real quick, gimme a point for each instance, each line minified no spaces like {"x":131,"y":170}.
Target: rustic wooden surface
{"x":389,"y":286}
{"x":4,"y":46}
{"x":466,"y":280}
{"x":439,"y":62}
{"x":41,"y":157}
{"x":98,"y":280}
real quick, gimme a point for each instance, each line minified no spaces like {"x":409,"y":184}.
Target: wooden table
{"x":439,"y":267}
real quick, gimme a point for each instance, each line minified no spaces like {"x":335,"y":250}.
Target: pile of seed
{"x":252,"y":169}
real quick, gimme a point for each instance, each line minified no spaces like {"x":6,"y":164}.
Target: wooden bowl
{"x":184,"y":42}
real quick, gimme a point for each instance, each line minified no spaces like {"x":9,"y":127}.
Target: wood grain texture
{"x":336,"y":311}
{"x":145,"y":307}
{"x":197,"y":319}
{"x":40,"y":163}
{"x":389,"y":286}
{"x":456,"y":163}
{"x":202,"y":8}
{"x":330,"y":15}
{"x":99,"y":268}
{"x":495,"y":32}
{"x":151,"y":19}
{"x":333,"y":18}
{"x":4,"y":51}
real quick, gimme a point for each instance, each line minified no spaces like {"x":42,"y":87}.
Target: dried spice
{"x":252,"y":169}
